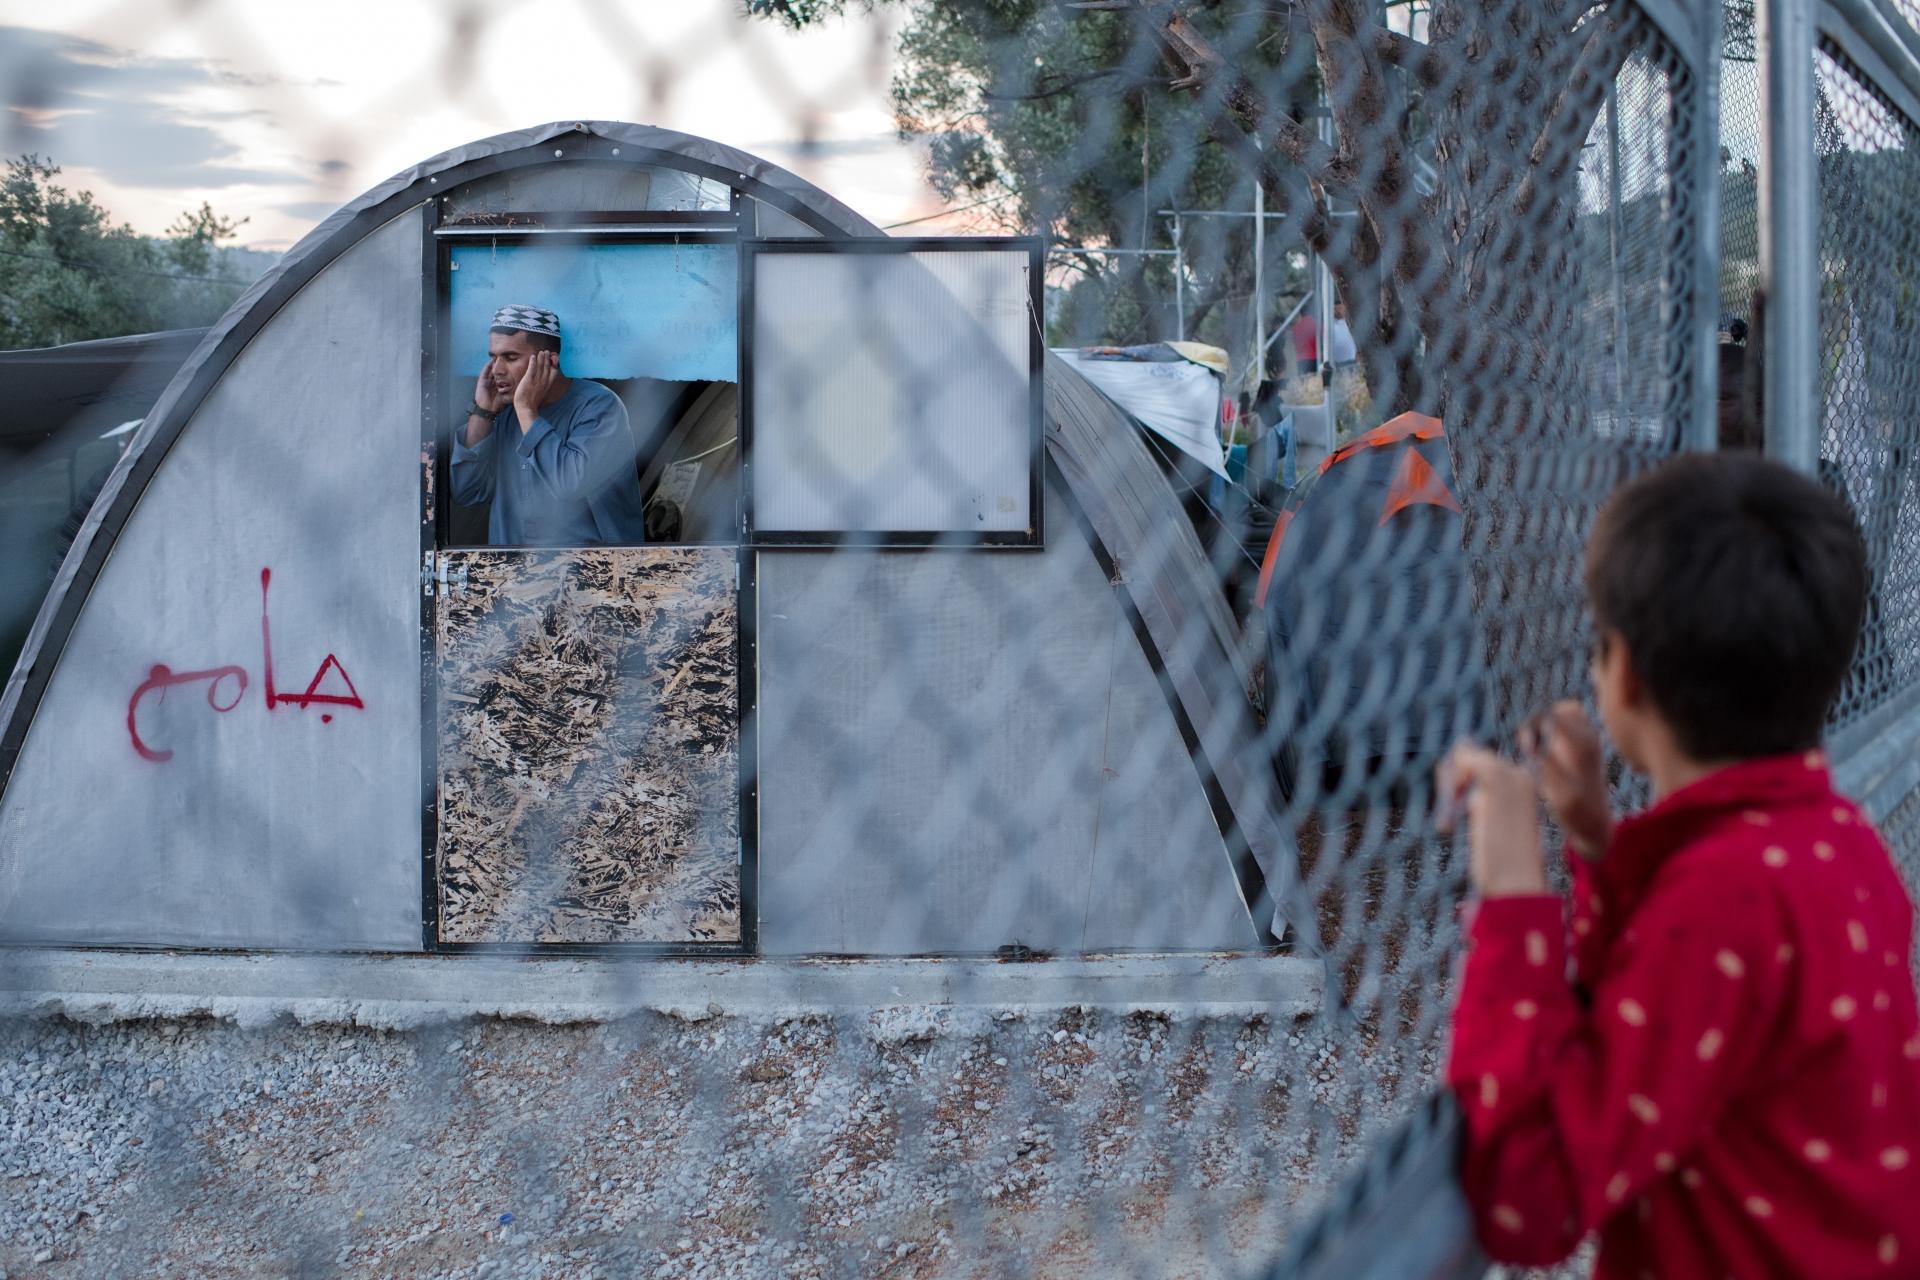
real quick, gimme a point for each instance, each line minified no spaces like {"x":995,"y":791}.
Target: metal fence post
{"x":1789,"y":232}
{"x":1258,"y":372}
{"x":1616,"y":240}
{"x":1703,"y":111}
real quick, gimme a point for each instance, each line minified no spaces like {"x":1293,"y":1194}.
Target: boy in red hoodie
{"x":1726,"y":1080}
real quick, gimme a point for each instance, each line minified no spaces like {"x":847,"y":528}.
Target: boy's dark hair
{"x":538,"y":341}
{"x":1739,"y":587}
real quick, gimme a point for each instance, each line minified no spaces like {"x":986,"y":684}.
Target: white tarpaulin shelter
{"x":1178,"y":400}
{"x":275,"y":650}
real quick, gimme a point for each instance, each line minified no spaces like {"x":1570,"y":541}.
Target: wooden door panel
{"x":589,"y":746}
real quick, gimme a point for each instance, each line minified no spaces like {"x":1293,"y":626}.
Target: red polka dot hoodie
{"x":1726,"y":1080}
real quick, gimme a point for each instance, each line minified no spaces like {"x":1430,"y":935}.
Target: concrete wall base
{"x":403,"y":992}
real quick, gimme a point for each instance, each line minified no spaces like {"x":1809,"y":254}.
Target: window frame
{"x":1033,"y":537}
{"x":584,"y":229}
{"x":436,"y":436}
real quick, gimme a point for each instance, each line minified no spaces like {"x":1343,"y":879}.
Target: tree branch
{"x":1203,"y":306}
{"x":1603,"y":51}
{"x":1426,"y":65}
{"x":1086,"y":259}
{"x":1199,"y":66}
{"x":1059,"y":85}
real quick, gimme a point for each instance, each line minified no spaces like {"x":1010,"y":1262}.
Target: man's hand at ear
{"x":487,"y":401}
{"x":543,"y":370}
{"x":489,"y":397}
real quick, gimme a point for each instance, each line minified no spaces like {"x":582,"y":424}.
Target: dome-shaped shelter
{"x":284,"y":693}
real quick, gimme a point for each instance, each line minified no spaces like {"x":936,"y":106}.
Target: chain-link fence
{"x":1866,"y":344}
{"x":924,"y":807}
{"x":1864,"y":128}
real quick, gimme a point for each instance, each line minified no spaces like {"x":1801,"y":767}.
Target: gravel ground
{"x":912,"y":1142}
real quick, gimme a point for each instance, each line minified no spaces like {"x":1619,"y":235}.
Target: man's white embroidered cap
{"x":531,"y":319}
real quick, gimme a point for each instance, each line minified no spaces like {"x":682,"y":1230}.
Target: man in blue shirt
{"x":555,"y":455}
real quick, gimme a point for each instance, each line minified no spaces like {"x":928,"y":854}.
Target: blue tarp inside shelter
{"x":666,"y":311}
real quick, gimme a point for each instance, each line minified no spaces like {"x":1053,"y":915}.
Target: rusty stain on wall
{"x":589,"y":746}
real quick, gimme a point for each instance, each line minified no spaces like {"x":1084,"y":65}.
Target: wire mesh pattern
{"x":1868,"y":343}
{"x":1739,"y":163}
{"x":1496,"y":628}
{"x":1901,"y":828}
{"x":1022,"y":753}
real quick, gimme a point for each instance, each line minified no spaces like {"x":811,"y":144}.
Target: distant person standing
{"x":1337,"y":374}
{"x":1739,"y":425}
{"x":1306,"y":344}
{"x":564,"y":475}
{"x":1341,"y":351}
{"x":1270,"y":455}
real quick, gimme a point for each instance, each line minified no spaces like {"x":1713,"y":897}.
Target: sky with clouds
{"x":279,"y":112}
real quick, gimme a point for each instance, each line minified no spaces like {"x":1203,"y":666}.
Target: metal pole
{"x":1789,"y":232}
{"x":1616,"y":233}
{"x":1179,"y":285}
{"x":1703,"y":121}
{"x":1259,"y":368}
{"x":1221,"y":213}
{"x":1286,"y":325}
{"x":1323,"y":296}
{"x":1146,"y":167}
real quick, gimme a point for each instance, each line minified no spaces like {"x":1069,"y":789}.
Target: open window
{"x":890,"y":392}
{"x":648,"y":310}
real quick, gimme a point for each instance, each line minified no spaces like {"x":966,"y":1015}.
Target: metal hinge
{"x":426,"y":574}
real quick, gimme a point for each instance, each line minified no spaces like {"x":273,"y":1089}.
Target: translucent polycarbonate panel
{"x":892,"y":392}
{"x":1077,"y":822}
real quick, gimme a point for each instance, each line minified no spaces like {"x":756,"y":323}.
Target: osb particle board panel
{"x":589,"y":746}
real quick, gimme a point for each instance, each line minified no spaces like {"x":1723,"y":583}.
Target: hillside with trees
{"x":69,"y":272}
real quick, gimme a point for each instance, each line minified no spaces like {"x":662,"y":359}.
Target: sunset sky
{"x":280,"y":112}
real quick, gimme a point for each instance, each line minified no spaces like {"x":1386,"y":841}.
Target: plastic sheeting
{"x":1177,"y":400}
{"x":87,"y":386}
{"x":626,"y":310}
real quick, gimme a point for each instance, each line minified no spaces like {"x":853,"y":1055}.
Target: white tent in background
{"x":1177,"y":395}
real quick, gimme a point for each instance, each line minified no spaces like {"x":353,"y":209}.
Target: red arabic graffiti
{"x":351,"y":698}
{"x":161,"y":677}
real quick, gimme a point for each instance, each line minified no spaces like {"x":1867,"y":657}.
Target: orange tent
{"x":1363,"y":570}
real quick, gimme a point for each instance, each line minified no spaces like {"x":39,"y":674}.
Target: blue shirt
{"x":569,"y":480}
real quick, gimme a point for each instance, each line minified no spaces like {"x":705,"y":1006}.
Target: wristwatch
{"x":475,"y":411}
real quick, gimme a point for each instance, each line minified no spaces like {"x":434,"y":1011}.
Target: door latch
{"x":452,"y":580}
